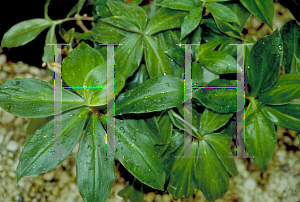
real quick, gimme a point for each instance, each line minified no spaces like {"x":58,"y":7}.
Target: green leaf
{"x":286,"y":116}
{"x":165,"y":133}
{"x":286,"y":88}
{"x":78,"y":64}
{"x":182,"y":183}
{"x":208,"y":1}
{"x":139,"y":155}
{"x":221,"y":144}
{"x":145,"y":123}
{"x":34,"y":98}
{"x":95,"y":175}
{"x":197,"y":74}
{"x":222,"y":12}
{"x":211,"y":121}
{"x":219,"y":100}
{"x":241,"y":12}
{"x":293,"y":6}
{"x":227,"y":46}
{"x":131,"y":11}
{"x":155,"y":94}
{"x":228,"y":29}
{"x":263,"y":9}
{"x":211,"y":24}
{"x":128,"y":56}
{"x":140,"y":76}
{"x":297,"y":64}
{"x":33,"y":159}
{"x":260,"y":139}
{"x":179,"y":122}
{"x":263,"y":63}
{"x":106,"y":33}
{"x":290,"y":34}
{"x":123,"y":23}
{"x":191,"y":22}
{"x":24,"y":32}
{"x":210,"y":175}
{"x":100,"y":9}
{"x":49,"y":49}
{"x":133,"y":190}
{"x":156,"y":60}
{"x":165,"y":19}
{"x":202,"y":50}
{"x":177,"y":54}
{"x":77,"y":8}
{"x":219,"y":62}
{"x":46,"y":16}
{"x":185,"y":5}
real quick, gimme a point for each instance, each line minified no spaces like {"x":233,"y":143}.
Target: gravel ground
{"x":280,"y":181}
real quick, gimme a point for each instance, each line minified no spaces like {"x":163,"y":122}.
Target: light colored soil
{"x":280,"y":181}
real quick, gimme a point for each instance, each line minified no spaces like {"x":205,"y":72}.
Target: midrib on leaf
{"x":50,"y":143}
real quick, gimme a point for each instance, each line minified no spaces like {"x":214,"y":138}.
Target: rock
{"x":34,"y":70}
{"x":250,"y":184}
{"x":48,"y":176}
{"x":3,"y":75}
{"x":1,"y":138}
{"x":12,"y":146}
{"x":7,"y":118}
{"x":2,"y":59}
{"x":18,"y":121}
{"x":281,"y":156}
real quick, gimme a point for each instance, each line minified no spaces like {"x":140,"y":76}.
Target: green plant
{"x":149,"y":90}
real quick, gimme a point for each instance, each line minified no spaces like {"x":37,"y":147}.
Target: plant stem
{"x":95,"y":111}
{"x":77,"y":17}
{"x":249,"y":98}
{"x":203,"y":4}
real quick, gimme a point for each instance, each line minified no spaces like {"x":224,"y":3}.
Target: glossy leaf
{"x":24,"y":32}
{"x":212,"y":121}
{"x":197,"y":74}
{"x":263,"y":63}
{"x":260,"y":139}
{"x":263,"y":9}
{"x":180,"y":123}
{"x":219,"y":62}
{"x":49,"y":49}
{"x":286,"y":88}
{"x":100,"y":9}
{"x":155,"y":94}
{"x":185,"y":5}
{"x":210,"y":175}
{"x":131,"y":11}
{"x":145,"y":123}
{"x":76,"y":9}
{"x":140,"y":158}
{"x":78,"y":64}
{"x":241,"y":12}
{"x":182,"y":183}
{"x":34,"y":98}
{"x":46,"y":16}
{"x":191,"y":22}
{"x":103,"y":32}
{"x":165,"y":19}
{"x":202,"y":50}
{"x":219,"y":100}
{"x":95,"y":175}
{"x":156,"y":60}
{"x":228,"y":29}
{"x":290,"y":34}
{"x":177,"y":54}
{"x":286,"y":116}
{"x":222,"y":12}
{"x":33,"y":159}
{"x":214,"y":0}
{"x":133,"y":190}
{"x":221,"y":144}
{"x":129,"y":55}
{"x":165,"y":133}
{"x":123,"y":23}
{"x":140,"y":76}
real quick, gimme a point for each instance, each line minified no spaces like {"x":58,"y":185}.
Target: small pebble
{"x":12,"y":146}
{"x":2,"y":59}
{"x":7,"y":118}
{"x":34,"y":70}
